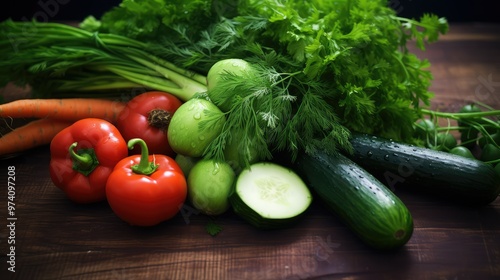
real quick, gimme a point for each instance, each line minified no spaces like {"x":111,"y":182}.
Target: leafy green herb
{"x":356,"y":50}
{"x":325,"y":67}
{"x":212,"y":227}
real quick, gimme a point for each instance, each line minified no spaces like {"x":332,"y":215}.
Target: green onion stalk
{"x":60,"y":60}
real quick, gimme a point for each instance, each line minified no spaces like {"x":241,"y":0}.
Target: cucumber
{"x":375,"y":214}
{"x":270,"y":196}
{"x":463,"y":180}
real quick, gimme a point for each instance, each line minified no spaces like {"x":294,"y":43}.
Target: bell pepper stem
{"x":84,"y":160}
{"x":144,"y":167}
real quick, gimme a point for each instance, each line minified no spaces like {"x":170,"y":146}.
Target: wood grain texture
{"x":57,"y":239}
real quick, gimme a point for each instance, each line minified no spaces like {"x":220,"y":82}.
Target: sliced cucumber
{"x":268,"y":195}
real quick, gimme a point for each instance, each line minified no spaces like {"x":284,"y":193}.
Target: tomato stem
{"x":84,"y":160}
{"x":144,"y":167}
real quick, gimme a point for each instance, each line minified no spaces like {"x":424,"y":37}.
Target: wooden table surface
{"x":57,"y":239}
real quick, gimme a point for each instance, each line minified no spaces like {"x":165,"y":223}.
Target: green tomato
{"x":462,"y":151}
{"x":234,"y":66}
{"x":185,"y":163}
{"x":223,"y":97}
{"x":425,"y":129}
{"x":209,"y":185}
{"x":495,"y":139}
{"x":469,"y":108}
{"x":497,"y":169}
{"x":490,"y":152}
{"x":468,"y":137}
{"x":445,"y":141}
{"x":194,"y":125}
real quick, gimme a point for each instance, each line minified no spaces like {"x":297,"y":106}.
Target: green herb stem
{"x":460,"y":116}
{"x":52,"y":49}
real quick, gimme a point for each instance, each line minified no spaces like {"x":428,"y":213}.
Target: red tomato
{"x":146,"y":190}
{"x":147,"y":116}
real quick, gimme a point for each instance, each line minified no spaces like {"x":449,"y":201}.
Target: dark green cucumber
{"x":464,"y":180}
{"x":362,"y":202}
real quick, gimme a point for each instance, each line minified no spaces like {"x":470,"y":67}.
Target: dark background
{"x":76,"y":10}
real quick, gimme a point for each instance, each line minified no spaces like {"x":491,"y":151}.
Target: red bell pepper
{"x":145,"y":190}
{"x":82,"y":157}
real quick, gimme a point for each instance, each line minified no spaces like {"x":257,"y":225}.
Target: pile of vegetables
{"x":260,"y":103}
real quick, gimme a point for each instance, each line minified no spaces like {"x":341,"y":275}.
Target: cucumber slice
{"x":269,"y":196}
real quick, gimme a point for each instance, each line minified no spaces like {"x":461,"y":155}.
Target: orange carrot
{"x":33,"y":134}
{"x":70,"y":109}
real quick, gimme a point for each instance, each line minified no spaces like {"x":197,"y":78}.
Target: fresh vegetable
{"x":33,"y":134}
{"x":322,"y":68}
{"x":269,"y":196}
{"x":468,"y":137}
{"x":209,"y":185}
{"x":374,"y":213}
{"x":68,"y":109}
{"x":445,"y":141}
{"x":471,"y":121}
{"x":489,"y":139}
{"x":497,"y":169}
{"x":186,"y":163}
{"x":454,"y":177}
{"x":425,"y":129}
{"x":235,"y":67}
{"x":462,"y":151}
{"x":83,"y":156}
{"x":195,"y":124}
{"x":469,"y":108}
{"x":490,"y":153}
{"x":145,"y":190}
{"x":147,"y":116}
{"x":477,"y":127}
